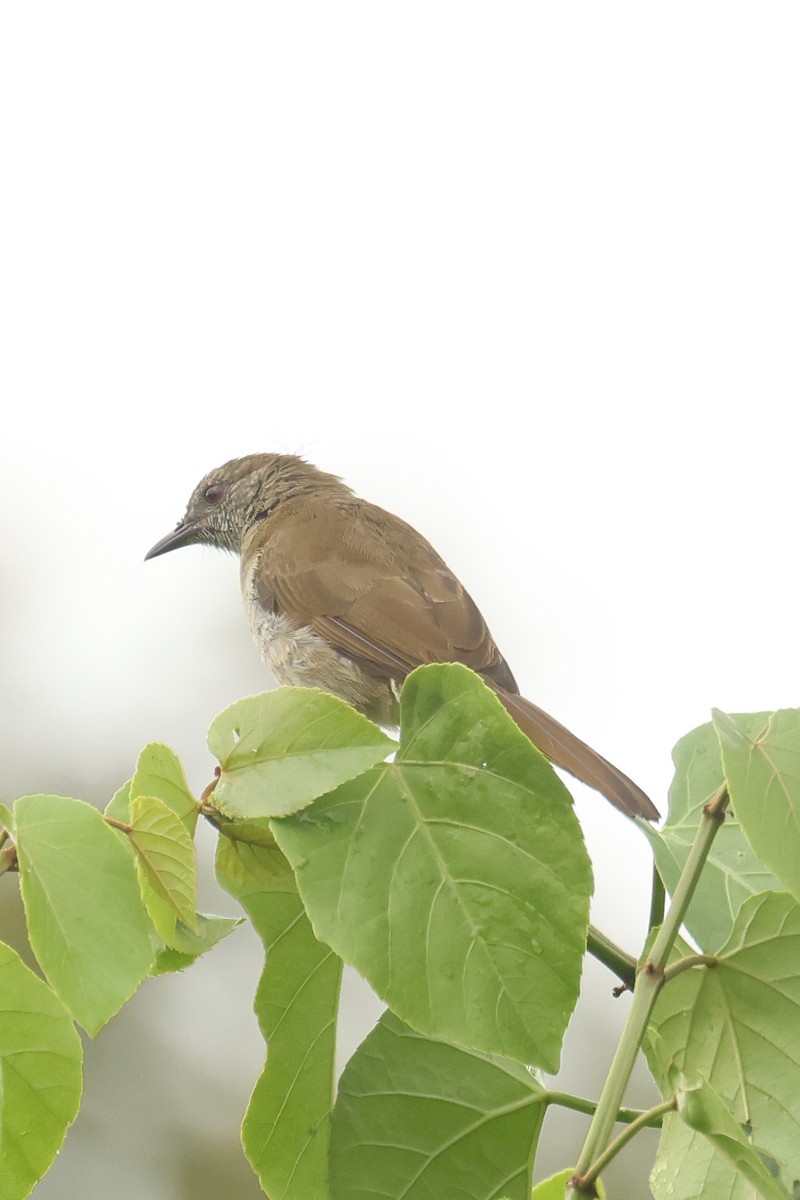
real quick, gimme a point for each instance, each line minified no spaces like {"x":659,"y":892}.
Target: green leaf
{"x":259,"y":834}
{"x":736,"y":1026}
{"x":555,"y":1187}
{"x":455,"y":879}
{"x":763,"y":773}
{"x":189,"y":946}
{"x":280,"y":750}
{"x":119,"y":806}
{"x":7,"y":818}
{"x":286,"y":1131}
{"x":40,"y":1076}
{"x":702,"y":1110}
{"x":86,"y":922}
{"x":732,"y":872}
{"x":417,"y":1118}
{"x":165,"y":864}
{"x":159,"y":773}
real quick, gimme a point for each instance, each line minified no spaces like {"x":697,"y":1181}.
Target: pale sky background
{"x":525,"y":274}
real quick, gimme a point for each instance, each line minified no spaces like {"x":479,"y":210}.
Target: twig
{"x":612,"y":956}
{"x":646,"y":1119}
{"x":658,"y":898}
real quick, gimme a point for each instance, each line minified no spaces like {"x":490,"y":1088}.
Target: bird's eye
{"x":214,"y":493}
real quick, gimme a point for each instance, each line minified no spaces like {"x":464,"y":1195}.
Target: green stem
{"x":612,"y":956}
{"x":657,"y":900}
{"x":685,"y":964}
{"x":625,"y":1116}
{"x":649,"y":1118}
{"x":649,"y":982}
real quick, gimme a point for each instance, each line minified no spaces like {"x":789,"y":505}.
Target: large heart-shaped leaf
{"x":734,"y":1025}
{"x":416,"y":1118}
{"x":454,"y":879}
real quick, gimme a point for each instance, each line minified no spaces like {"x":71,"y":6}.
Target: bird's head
{"x":231,"y":500}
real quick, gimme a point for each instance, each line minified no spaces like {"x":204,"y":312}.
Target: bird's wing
{"x":375,"y":589}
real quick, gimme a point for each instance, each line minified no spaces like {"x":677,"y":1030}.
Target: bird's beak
{"x":185,"y":534}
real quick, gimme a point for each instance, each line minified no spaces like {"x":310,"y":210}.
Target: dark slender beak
{"x":184,"y":535}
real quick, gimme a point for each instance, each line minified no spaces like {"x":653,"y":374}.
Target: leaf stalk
{"x":118,"y":825}
{"x":685,"y":964}
{"x":625,"y":1116}
{"x":8,"y":858}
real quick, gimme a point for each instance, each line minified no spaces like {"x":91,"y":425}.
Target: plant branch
{"x":649,"y":982}
{"x":612,"y":956}
{"x":652,"y":1117}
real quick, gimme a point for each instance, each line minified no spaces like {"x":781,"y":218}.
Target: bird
{"x":344,"y":596}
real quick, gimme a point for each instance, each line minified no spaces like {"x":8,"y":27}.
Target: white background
{"x":526,"y":275}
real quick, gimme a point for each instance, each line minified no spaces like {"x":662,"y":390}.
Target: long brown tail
{"x":569,"y":752}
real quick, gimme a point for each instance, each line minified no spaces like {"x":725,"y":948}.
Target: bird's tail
{"x":569,"y":752}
